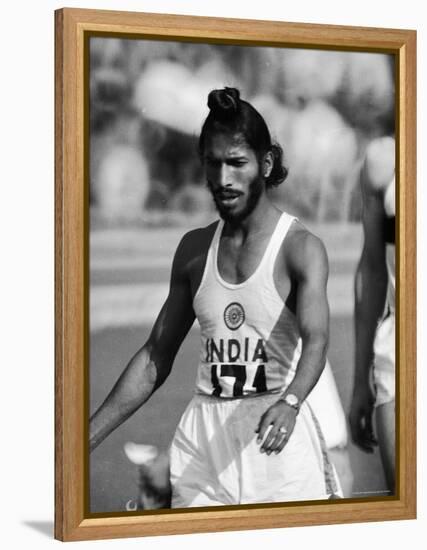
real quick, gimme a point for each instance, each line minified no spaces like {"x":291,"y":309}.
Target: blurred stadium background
{"x":147,"y":106}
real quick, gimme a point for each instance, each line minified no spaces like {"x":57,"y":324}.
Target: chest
{"x":238,"y":261}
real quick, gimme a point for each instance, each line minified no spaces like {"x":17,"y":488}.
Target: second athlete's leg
{"x":386,"y":432}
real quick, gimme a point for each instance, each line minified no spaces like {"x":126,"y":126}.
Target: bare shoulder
{"x":304,"y":252}
{"x":193,"y":245}
{"x":379,"y":164}
{"x":197,"y":240}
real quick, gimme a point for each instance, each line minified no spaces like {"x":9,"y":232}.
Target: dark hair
{"x":232,"y":115}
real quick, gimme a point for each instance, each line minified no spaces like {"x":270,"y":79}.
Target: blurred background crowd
{"x":148,"y":103}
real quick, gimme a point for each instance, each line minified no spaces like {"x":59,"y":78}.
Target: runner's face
{"x":233,"y":175}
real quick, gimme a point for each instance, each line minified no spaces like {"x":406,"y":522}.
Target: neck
{"x":258,"y":220}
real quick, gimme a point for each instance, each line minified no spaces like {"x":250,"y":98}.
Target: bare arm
{"x":152,"y":363}
{"x":370,"y":286}
{"x":309,"y":267}
{"x":311,"y":272}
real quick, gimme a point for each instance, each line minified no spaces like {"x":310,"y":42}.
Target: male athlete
{"x":375,"y":307}
{"x":256,"y":282}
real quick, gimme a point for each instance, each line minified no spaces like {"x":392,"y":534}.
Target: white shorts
{"x":326,"y":404}
{"x":215,"y":460}
{"x":383,"y":372}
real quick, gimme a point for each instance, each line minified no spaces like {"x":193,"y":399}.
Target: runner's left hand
{"x":278,"y":416}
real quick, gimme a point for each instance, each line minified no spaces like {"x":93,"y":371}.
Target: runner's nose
{"x":224,"y":176}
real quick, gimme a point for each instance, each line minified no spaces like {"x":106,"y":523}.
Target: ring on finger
{"x":283,"y":430}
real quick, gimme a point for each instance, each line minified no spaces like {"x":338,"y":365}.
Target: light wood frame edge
{"x":70,"y":25}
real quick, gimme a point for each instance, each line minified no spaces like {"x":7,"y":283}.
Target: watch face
{"x":291,"y":399}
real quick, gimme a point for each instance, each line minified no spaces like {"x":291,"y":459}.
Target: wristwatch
{"x":291,"y":400}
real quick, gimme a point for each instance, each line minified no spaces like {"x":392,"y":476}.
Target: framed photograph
{"x":235,"y":274}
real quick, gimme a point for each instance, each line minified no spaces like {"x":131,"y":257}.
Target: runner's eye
{"x":212,"y":163}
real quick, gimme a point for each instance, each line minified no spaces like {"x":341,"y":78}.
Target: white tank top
{"x":390,"y":211}
{"x":250,"y":341}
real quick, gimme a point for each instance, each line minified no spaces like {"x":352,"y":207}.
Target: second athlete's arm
{"x":370,"y":287}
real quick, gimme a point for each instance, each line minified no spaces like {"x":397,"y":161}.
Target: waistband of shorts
{"x":254,"y":395}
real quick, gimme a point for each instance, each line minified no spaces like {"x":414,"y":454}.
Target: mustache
{"x":227,"y":194}
{"x":224,"y":193}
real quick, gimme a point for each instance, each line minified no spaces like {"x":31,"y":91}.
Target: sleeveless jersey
{"x":250,"y":341}
{"x":390,"y":221}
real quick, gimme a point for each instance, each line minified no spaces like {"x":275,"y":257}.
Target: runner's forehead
{"x":227,"y":145}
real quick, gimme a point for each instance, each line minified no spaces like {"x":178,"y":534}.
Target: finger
{"x":279,"y":435}
{"x":359,"y":434}
{"x":364,"y":445}
{"x":269,"y":440}
{"x":369,"y":431}
{"x":264,"y":425}
{"x":282,"y":443}
{"x":364,"y":441}
{"x":367,"y":439}
{"x":371,"y":440}
{"x":356,"y":421}
{"x":264,"y":433}
{"x":279,"y":442}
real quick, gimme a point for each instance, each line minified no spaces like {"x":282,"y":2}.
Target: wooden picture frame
{"x":73,"y":27}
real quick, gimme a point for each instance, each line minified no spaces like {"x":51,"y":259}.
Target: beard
{"x":256,"y":188}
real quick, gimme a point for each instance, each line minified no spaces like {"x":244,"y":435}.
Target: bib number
{"x":239,"y":373}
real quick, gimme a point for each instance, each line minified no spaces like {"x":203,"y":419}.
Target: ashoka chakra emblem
{"x":234,"y":316}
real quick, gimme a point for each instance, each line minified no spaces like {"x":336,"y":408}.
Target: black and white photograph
{"x":200,"y":194}
{"x":241,"y":275}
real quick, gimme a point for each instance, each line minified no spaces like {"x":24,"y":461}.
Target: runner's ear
{"x":267,"y":164}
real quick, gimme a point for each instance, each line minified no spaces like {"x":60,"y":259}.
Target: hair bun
{"x":224,"y":102}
